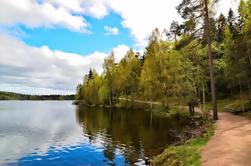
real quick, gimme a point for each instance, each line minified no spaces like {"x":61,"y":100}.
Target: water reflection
{"x":134,"y":133}
{"x":34,"y":128}
{"x":58,"y":133}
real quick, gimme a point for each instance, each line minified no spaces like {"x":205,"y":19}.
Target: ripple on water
{"x":47,"y":133}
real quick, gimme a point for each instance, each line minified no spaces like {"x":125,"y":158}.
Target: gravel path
{"x":231,"y":144}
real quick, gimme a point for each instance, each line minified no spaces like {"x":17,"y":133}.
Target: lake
{"x":58,"y":133}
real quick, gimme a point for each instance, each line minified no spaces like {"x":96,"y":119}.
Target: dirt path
{"x":142,"y":101}
{"x":231,"y":144}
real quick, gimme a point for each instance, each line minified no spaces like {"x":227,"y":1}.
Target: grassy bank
{"x":247,"y":115}
{"x":234,"y":103}
{"x":187,"y":154}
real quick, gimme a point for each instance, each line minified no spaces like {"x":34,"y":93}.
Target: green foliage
{"x":187,"y":154}
{"x":237,"y":55}
{"x":161,"y":66}
{"x":238,"y":105}
{"x":178,"y":69}
{"x":103,"y":94}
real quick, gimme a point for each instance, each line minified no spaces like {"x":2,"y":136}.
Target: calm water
{"x":59,"y":133}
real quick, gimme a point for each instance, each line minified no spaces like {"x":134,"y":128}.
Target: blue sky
{"x":46,"y":46}
{"x":60,"y":38}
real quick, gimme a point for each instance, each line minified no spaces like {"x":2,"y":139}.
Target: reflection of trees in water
{"x":134,"y":133}
{"x":109,"y":150}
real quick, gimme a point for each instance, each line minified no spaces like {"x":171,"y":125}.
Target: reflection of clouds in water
{"x":27,"y":130}
{"x":31,"y":131}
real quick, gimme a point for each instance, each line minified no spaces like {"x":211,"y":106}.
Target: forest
{"x":175,"y":66}
{"x":17,"y":96}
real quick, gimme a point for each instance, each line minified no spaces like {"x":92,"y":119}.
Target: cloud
{"x":25,"y":69}
{"x":50,"y":13}
{"x":120,"y":51}
{"x":95,"y":8}
{"x":59,"y":131}
{"x":33,"y":14}
{"x":141,"y":16}
{"x":111,"y":30}
{"x":41,"y":70}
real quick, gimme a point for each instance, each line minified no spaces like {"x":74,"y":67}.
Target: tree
{"x":211,"y":66}
{"x":128,"y":73}
{"x":110,"y":76}
{"x":195,"y":12}
{"x":160,"y":76}
{"x":103,"y":94}
{"x":178,"y":69}
{"x":221,"y":23}
{"x":237,"y":48}
{"x":194,"y":63}
{"x":150,"y":69}
{"x":78,"y":95}
{"x":175,"y":31}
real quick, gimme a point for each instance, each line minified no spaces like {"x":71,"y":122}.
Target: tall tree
{"x":128,"y":73}
{"x":110,"y":68}
{"x":196,"y":12}
{"x":221,"y":23}
{"x":175,"y":31}
{"x":211,"y":66}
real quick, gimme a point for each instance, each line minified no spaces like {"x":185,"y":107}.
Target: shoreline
{"x":187,"y":153}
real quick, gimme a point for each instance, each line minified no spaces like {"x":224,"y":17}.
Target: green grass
{"x":239,"y":105}
{"x":233,"y":103}
{"x":188,"y":154}
{"x":173,"y":111}
{"x":247,"y":114}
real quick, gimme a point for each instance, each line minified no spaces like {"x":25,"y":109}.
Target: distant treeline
{"x":17,"y":96}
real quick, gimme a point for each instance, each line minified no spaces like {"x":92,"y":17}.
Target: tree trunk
{"x":190,"y":109}
{"x":240,"y":89}
{"x":231,"y":90}
{"x":204,"y":99}
{"x":249,"y":58}
{"x":211,"y":66}
{"x":151,"y":119}
{"x":110,"y":100}
{"x":249,"y":90}
{"x":242,"y":107}
{"x":151,"y":103}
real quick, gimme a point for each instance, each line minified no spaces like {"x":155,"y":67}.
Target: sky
{"x":46,"y":46}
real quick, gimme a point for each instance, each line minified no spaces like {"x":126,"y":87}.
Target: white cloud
{"x":49,"y":13}
{"x":25,"y":69}
{"x":111,"y":30}
{"x":95,"y":8}
{"x":141,"y":16}
{"x":29,"y":69}
{"x":120,"y":51}
{"x":32,"y":14}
